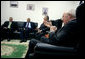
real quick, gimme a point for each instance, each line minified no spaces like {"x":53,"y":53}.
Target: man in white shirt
{"x":28,"y":28}
{"x":8,"y":28}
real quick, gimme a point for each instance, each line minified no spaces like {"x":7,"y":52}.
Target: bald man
{"x":28,"y":28}
{"x":8,"y":28}
{"x":67,"y":16}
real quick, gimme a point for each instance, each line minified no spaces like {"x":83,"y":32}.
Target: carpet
{"x":11,"y":50}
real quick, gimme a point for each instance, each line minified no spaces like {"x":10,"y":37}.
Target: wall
{"x":55,"y":10}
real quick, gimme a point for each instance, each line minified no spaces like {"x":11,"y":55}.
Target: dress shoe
{"x":21,"y":41}
{"x":8,"y":39}
{"x":31,"y":55}
{"x":25,"y":40}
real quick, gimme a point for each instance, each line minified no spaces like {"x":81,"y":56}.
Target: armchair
{"x":43,"y":48}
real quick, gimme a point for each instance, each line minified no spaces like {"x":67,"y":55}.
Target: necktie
{"x":28,"y":25}
{"x":9,"y":25}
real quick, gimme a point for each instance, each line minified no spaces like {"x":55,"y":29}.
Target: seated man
{"x":63,"y":21}
{"x":66,"y":36}
{"x":54,"y":26}
{"x":28,"y":27}
{"x":43,"y":28}
{"x":8,"y":28}
{"x":67,"y":16}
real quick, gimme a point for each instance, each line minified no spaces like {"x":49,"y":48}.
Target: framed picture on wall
{"x":14,"y":4}
{"x":30,"y":6}
{"x":44,"y":11}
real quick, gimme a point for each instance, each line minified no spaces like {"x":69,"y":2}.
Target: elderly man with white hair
{"x":67,"y":16}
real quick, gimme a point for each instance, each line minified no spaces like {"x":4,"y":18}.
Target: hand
{"x":48,"y":24}
{"x":36,"y":28}
{"x":24,"y":28}
{"x":39,"y":31}
{"x":53,"y":28}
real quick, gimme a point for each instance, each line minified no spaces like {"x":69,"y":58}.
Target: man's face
{"x":10,"y":19}
{"x":65,"y":18}
{"x":28,"y":20}
{"x":45,"y":18}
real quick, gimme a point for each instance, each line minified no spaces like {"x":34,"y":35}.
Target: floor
{"x":15,"y":41}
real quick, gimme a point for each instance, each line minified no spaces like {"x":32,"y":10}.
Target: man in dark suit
{"x":8,"y":28}
{"x":66,"y":36}
{"x":43,"y":28}
{"x":28,"y":27}
{"x":67,"y":16}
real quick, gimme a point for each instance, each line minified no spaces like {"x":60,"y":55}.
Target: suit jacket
{"x":57,"y":23}
{"x":44,"y":28}
{"x":67,"y":35}
{"x":13,"y":25}
{"x":32,"y":25}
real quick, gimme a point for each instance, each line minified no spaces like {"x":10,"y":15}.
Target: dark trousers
{"x":25,"y":34}
{"x":39,"y":35}
{"x":6,"y":33}
{"x":33,"y":42}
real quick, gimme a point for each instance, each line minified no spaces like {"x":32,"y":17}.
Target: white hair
{"x":72,"y":12}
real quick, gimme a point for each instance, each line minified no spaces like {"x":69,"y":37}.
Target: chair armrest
{"x":52,"y":49}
